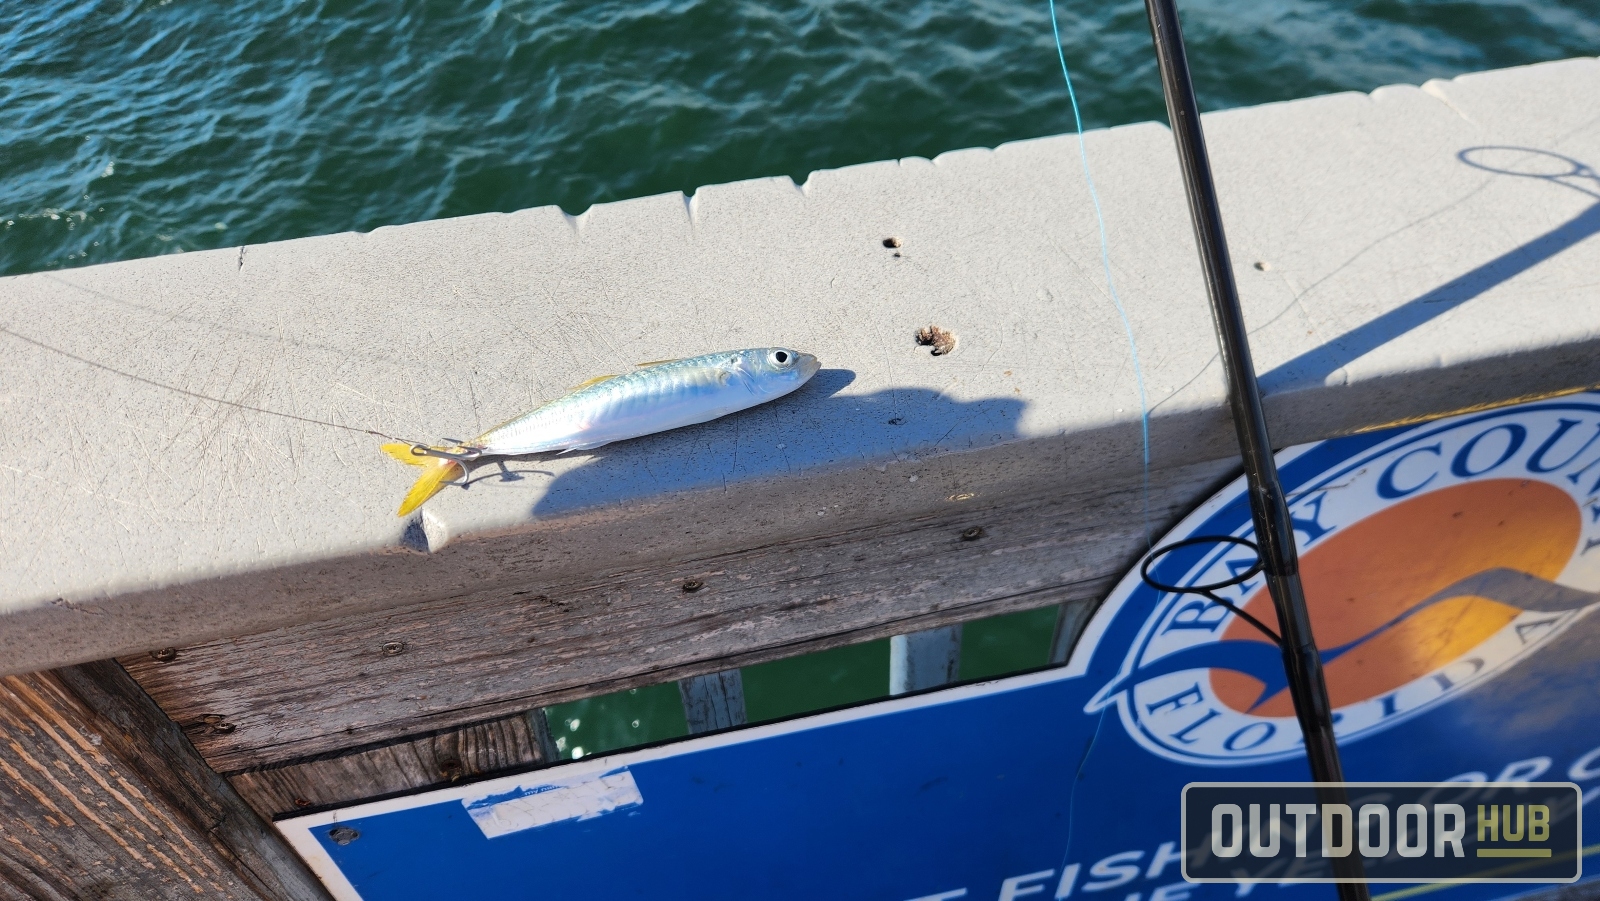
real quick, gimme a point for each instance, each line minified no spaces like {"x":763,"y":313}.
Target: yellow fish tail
{"x":402,"y":452}
{"x":436,"y":472}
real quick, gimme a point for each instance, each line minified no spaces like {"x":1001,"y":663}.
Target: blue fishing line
{"x":1105,"y":260}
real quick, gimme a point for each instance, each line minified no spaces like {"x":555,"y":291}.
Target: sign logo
{"x":1290,"y":832}
{"x":1434,"y":558}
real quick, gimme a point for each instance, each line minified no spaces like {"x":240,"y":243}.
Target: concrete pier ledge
{"x":187,"y":451}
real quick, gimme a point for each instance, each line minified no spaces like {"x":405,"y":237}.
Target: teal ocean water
{"x":141,"y":127}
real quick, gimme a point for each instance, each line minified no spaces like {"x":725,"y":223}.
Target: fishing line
{"x":1072,"y":794}
{"x":1105,"y":260}
{"x":1138,"y":376}
{"x":194,"y":394}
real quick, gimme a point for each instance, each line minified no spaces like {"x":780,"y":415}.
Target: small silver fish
{"x":658,"y":396}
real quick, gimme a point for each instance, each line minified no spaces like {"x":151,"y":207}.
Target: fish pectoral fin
{"x":655,"y":363}
{"x":594,"y":381}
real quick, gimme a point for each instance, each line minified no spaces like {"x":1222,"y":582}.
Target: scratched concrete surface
{"x":183,"y":454}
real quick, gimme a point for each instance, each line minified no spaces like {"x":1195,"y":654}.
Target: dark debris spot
{"x":939,"y":339}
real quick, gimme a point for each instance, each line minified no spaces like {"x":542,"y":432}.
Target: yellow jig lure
{"x":653,"y":398}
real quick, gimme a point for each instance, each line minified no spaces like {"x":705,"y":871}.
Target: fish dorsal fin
{"x":594,"y":381}
{"x":655,"y":363}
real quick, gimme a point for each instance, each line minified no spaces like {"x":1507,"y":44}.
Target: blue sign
{"x":1451,"y":569}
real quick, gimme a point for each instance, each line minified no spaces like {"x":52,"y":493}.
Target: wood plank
{"x":922,"y":660}
{"x":713,"y":701}
{"x":102,"y":797}
{"x":318,"y":688}
{"x":427,"y":762}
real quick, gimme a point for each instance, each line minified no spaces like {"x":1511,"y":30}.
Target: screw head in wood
{"x":690,"y":586}
{"x":165,"y":655}
{"x":394,"y":648}
{"x":972,"y":534}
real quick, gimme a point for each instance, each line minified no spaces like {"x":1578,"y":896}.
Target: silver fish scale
{"x":653,"y":399}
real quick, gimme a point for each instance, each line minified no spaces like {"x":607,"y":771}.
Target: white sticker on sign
{"x":541,"y":804}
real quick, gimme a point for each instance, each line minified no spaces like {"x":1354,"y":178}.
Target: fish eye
{"x":781,"y":357}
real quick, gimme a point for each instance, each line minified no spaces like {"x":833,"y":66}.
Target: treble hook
{"x":467,"y":455}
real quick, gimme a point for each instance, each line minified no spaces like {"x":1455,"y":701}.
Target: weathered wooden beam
{"x":498,"y":653}
{"x":503,"y":745}
{"x":425,"y":762}
{"x":102,"y":797}
{"x":539,"y":722}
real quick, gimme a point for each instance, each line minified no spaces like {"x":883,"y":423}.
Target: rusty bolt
{"x":165,"y":655}
{"x":393,"y":648}
{"x":301,"y":802}
{"x":690,"y":586}
{"x":343,"y":835}
{"x":972,"y":534}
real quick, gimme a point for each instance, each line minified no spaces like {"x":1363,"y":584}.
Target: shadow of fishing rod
{"x":1315,"y":366}
{"x":1262,"y":660}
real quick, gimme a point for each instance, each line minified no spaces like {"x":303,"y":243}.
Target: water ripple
{"x":140,"y":127}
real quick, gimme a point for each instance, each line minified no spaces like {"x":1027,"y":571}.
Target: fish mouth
{"x":807,"y":365}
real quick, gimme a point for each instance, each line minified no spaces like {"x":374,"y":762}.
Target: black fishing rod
{"x":1268,"y":507}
